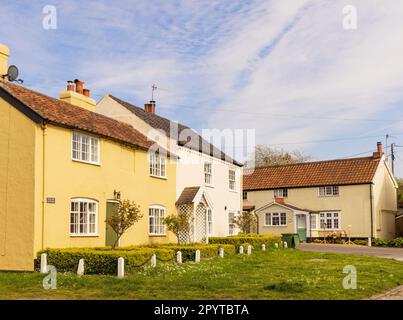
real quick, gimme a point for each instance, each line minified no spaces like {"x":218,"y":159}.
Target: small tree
{"x":179,"y":224}
{"x":127,"y":214}
{"x":247,"y":222}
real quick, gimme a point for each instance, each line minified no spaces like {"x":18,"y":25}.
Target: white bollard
{"x":285,"y":245}
{"x":121,"y":267}
{"x":44,"y":263}
{"x":241,"y":250}
{"x":276,"y":245}
{"x":263,"y":247}
{"x":153,"y":261}
{"x":197,"y":256}
{"x":80,"y":269}
{"x":369,"y":242}
{"x":221,"y":252}
{"x":249,"y":251}
{"x":179,"y":257}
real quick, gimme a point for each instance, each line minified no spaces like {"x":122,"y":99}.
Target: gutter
{"x":43,"y":181}
{"x":372,"y":210}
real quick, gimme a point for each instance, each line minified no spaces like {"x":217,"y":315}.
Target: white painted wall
{"x":190,"y":169}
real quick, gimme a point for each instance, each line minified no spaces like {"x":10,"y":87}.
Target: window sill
{"x":275,"y":226}
{"x":158,"y":177}
{"x":233,"y":191}
{"x":97,"y":164}
{"x":157,"y":235}
{"x":208,"y":185}
{"x":84,"y":235}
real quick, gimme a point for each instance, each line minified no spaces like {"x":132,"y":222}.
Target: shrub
{"x":189,"y":250}
{"x":98,"y":261}
{"x":360,"y":242}
{"x":253,"y":240}
{"x":398,"y":242}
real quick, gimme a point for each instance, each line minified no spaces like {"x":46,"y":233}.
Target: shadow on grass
{"x":285,"y":286}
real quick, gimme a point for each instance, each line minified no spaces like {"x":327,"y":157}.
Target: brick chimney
{"x":379,"y":151}
{"x":78,"y":96}
{"x":4,"y":53}
{"x":150,"y":107}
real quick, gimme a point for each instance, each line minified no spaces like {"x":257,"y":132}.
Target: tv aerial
{"x":12,"y":74}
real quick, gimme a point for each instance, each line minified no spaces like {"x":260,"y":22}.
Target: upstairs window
{"x":208,"y":173}
{"x":85,"y":148}
{"x":281,"y":193}
{"x":329,"y":191}
{"x":157,"y":165}
{"x":83,"y":217}
{"x":245,"y":195}
{"x":232,"y":180}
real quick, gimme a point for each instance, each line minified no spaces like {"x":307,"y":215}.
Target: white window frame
{"x":87,"y":224}
{"x":272,"y":215}
{"x":313,"y":217}
{"x":324,"y":216}
{"x":77,"y":153}
{"x":231,"y":223}
{"x":208,"y":173}
{"x":232,"y":179}
{"x":159,"y":225}
{"x":329,"y":191}
{"x":281,"y":193}
{"x":210,"y":225}
{"x":157,"y":165}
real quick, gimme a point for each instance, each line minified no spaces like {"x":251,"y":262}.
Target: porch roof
{"x":286,"y":205}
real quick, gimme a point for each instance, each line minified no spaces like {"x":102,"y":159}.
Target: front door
{"x":110,"y":235}
{"x":301,"y":226}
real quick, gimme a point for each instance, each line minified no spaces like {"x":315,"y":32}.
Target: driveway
{"x":391,"y":253}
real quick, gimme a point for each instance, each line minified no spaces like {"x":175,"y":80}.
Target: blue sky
{"x":286,"y":68}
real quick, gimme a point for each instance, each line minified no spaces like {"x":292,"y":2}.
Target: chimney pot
{"x":79,"y":86}
{"x":86,"y":92}
{"x":150,"y":107}
{"x":379,"y":146}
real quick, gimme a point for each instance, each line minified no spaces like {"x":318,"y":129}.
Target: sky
{"x":286,"y":68}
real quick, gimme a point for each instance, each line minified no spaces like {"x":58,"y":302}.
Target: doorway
{"x":110,"y":234}
{"x":301,"y":226}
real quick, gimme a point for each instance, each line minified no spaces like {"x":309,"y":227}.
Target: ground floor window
{"x":83,"y":217}
{"x":330,"y":220}
{"x":314,"y":221}
{"x":276,"y":219}
{"x":231,"y":223}
{"x":156,"y":215}
{"x":209,"y":221}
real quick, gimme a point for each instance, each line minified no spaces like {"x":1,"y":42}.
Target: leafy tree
{"x":400,"y":192}
{"x":247,"y":222}
{"x":127,"y":214}
{"x":179,"y":224}
{"x":267,"y":156}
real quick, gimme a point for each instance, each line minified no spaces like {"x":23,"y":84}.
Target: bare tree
{"x":127,"y":214}
{"x":247,"y":222}
{"x":267,"y":156}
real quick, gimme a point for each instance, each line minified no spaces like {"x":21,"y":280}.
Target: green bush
{"x":398,"y":243}
{"x":98,"y":261}
{"x":360,"y":242}
{"x":243,"y":240}
{"x":189,"y":250}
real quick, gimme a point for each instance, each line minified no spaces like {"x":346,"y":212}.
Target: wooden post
{"x":369,"y":242}
{"x":249,"y":251}
{"x":80,"y":269}
{"x":44,"y":263}
{"x":179,"y":257}
{"x":285,"y":245}
{"x":263,"y":247}
{"x":121,"y":267}
{"x":241,"y":250}
{"x":221,"y":252}
{"x":197,"y":256}
{"x":153,"y":261}
{"x":276,"y":245}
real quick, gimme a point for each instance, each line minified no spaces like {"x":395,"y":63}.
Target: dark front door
{"x":110,"y":235}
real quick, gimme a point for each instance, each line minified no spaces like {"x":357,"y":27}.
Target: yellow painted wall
{"x":17,"y":152}
{"x":278,"y":230}
{"x":122,"y":169}
{"x":353,"y":203}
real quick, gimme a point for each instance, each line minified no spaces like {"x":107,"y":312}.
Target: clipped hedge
{"x":242,"y":240}
{"x":206,"y":250}
{"x":101,"y":261}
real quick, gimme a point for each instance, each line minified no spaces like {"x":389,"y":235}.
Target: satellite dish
{"x":12,"y":73}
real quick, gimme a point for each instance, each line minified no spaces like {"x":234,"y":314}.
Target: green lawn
{"x":274,"y":274}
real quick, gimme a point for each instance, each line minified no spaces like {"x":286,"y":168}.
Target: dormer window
{"x":85,"y":148}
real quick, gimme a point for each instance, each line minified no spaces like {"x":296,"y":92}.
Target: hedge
{"x":397,"y":243}
{"x":244,"y":240}
{"x":98,"y":261}
{"x":206,"y":250}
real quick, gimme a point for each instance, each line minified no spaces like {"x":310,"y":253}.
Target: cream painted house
{"x":350,"y":197}
{"x":63,"y":167}
{"x":208,"y":182}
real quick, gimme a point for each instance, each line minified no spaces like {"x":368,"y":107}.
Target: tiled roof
{"x":194,"y":142}
{"x":187,"y":196}
{"x":309,"y":174}
{"x":65,"y":114}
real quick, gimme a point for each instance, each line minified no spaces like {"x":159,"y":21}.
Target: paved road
{"x":391,"y":253}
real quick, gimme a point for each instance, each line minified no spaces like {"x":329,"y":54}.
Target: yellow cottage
{"x":62,"y":169}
